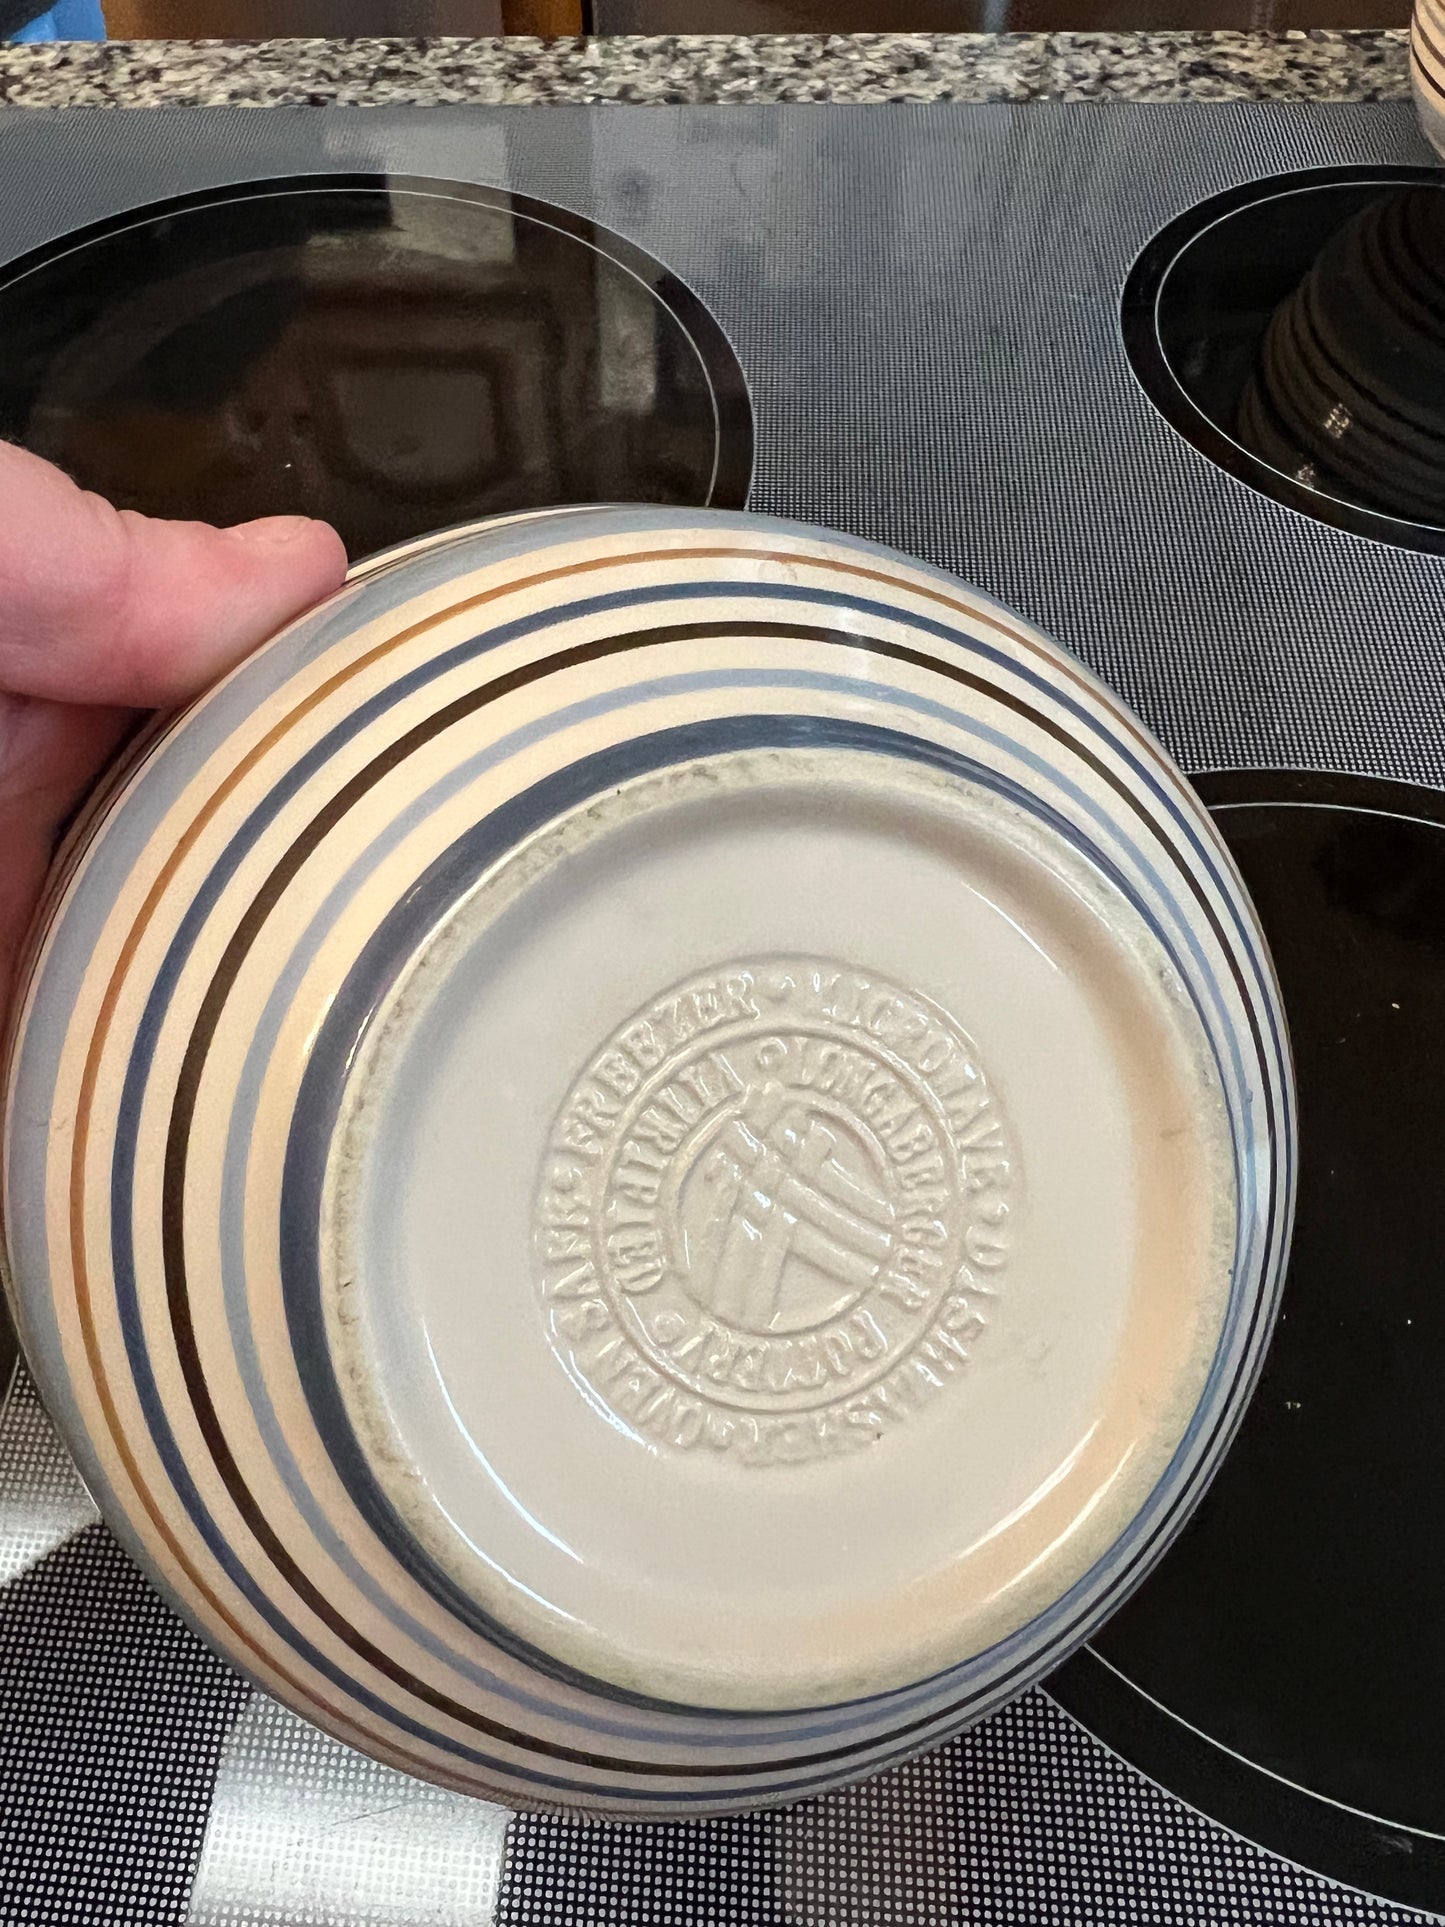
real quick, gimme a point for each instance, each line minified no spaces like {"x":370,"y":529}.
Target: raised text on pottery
{"x":774,"y":1210}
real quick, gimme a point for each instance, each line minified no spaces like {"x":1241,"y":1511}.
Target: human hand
{"x":102,"y":613}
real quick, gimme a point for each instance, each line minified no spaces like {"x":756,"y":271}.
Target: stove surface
{"x":915,"y":314}
{"x":395,"y":354}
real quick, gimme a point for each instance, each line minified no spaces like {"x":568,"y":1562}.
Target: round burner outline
{"x":1145,"y":289}
{"x":148,"y":250}
{"x":1397,"y":1861}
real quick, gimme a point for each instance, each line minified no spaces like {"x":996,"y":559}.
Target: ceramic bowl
{"x":9,"y":1356}
{"x":648,"y":1162}
{"x":1427,"y":68}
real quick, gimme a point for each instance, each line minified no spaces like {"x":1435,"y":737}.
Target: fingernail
{"x":273,"y":531}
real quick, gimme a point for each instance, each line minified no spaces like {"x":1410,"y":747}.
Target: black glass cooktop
{"x":1294,"y":330}
{"x":393,"y":354}
{"x":1284,"y":1669}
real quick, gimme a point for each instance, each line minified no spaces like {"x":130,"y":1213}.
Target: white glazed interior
{"x":794,"y":1565}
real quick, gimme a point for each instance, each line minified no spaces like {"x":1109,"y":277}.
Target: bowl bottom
{"x":777,"y":1229}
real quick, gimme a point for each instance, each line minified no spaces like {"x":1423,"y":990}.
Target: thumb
{"x":99,"y":605}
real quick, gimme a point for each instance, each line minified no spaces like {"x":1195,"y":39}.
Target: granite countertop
{"x":710,"y":68}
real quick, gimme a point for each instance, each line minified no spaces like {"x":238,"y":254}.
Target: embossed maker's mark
{"x":773,"y":1210}
{"x":775,"y":1186}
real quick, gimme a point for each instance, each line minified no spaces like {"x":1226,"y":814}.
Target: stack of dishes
{"x":648,"y":1162}
{"x":1348,"y":395}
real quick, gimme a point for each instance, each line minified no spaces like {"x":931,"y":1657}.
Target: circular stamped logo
{"x":774,"y":1211}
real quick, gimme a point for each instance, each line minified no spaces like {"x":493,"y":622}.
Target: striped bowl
{"x":648,"y":1162}
{"x":1427,"y":68}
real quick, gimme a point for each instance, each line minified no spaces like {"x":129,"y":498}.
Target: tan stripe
{"x":100,"y":1035}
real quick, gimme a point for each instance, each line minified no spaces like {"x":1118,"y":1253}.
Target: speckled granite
{"x":860,"y":67}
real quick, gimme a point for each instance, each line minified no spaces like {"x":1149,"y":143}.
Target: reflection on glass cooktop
{"x":1294,"y":330}
{"x":390,"y":353}
{"x":1284,"y":1669}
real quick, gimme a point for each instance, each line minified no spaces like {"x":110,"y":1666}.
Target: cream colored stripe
{"x":1427,"y":48}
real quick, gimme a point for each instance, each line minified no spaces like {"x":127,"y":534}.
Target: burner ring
{"x":392,"y":353}
{"x":1293,"y":331}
